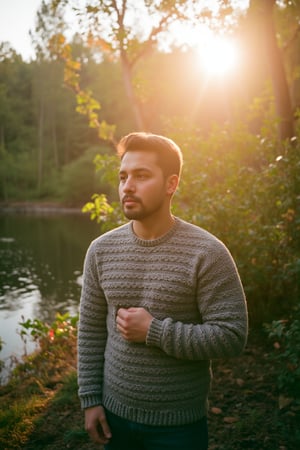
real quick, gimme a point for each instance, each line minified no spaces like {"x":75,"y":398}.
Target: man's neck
{"x":152,"y":229}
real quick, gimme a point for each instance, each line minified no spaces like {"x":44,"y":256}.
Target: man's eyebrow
{"x":138,"y":169}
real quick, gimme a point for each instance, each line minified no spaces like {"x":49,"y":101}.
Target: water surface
{"x":41,"y":259}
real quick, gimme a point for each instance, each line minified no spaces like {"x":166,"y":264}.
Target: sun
{"x":218,"y":55}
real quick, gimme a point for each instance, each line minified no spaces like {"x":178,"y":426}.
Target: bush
{"x":285,"y":335}
{"x":241,"y":189}
{"x":80,"y":181}
{"x":61,"y":329}
{"x":37,"y":381}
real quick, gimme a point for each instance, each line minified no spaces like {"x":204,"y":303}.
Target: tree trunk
{"x":54,"y":141}
{"x":2,"y":153}
{"x":264,"y":13}
{"x":41,"y":142}
{"x":127,"y":78}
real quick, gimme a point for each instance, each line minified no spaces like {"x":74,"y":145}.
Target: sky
{"x":17,"y":17}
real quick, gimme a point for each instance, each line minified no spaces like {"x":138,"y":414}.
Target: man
{"x":160,"y":299}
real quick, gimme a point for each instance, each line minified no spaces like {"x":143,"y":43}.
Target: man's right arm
{"x":92,"y":335}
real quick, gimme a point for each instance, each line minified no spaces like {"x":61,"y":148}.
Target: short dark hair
{"x":169,"y":156}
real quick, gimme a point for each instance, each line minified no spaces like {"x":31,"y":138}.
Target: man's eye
{"x":122,"y":178}
{"x":141,"y":176}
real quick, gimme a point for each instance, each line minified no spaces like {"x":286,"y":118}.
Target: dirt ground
{"x":246,"y":410}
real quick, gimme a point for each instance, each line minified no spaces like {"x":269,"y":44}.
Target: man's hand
{"x":133,"y":323}
{"x":96,"y":425}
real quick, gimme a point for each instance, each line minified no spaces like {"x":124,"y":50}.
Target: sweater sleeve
{"x":223,"y":330}
{"x":92,"y":335}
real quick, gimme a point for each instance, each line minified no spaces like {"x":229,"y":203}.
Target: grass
{"x":39,"y":407}
{"x":42,"y":389}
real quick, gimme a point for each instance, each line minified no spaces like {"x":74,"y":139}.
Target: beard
{"x":140,"y":211}
{"x":134,"y":213}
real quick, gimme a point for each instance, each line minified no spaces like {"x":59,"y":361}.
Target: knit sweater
{"x":189,"y":283}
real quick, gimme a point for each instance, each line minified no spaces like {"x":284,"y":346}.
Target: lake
{"x":41,"y":259}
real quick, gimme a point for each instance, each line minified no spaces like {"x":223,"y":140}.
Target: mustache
{"x":130,"y":198}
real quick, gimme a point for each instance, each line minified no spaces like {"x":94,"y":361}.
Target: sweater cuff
{"x":154,"y":333}
{"x":88,"y":401}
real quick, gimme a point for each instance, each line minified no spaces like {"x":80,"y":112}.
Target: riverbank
{"x":40,"y":408}
{"x":48,"y":207}
{"x":41,"y":260}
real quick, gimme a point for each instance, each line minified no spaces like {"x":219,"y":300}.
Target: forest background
{"x":62,"y":113}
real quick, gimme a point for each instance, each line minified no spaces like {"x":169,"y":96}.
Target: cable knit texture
{"x":189,"y":283}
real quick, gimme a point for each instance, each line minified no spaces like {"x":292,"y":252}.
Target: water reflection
{"x":41,"y":260}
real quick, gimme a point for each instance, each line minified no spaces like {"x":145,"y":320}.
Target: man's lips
{"x":130,"y":200}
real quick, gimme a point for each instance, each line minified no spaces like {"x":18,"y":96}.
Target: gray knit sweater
{"x":189,"y":283}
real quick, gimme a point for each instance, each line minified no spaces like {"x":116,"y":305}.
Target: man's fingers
{"x":105,"y":429}
{"x":133,"y":323}
{"x":96,"y":425}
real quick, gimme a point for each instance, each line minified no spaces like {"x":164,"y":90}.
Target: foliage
{"x":34,"y":381}
{"x":285,"y":335}
{"x":105,"y":212}
{"x":86,"y":103}
{"x":239,"y":187}
{"x":98,"y":208}
{"x":79,"y":180}
{"x":108,"y":215}
{"x":63,"y":328}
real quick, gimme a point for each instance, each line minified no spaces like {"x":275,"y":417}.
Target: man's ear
{"x":172,"y":184}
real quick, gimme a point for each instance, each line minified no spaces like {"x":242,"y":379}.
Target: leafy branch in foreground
{"x":60,"y":330}
{"x":86,"y":103}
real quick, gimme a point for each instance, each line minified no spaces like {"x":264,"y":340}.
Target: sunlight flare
{"x":218,"y":55}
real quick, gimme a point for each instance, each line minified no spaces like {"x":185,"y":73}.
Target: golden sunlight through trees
{"x":218,"y":55}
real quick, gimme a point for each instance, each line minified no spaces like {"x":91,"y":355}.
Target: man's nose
{"x":128,"y":186}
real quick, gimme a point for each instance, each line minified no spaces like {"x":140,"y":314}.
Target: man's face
{"x":142,"y":187}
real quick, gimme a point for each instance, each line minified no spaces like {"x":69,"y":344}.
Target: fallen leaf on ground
{"x":216,"y":410}
{"x":230,"y":419}
{"x":283,"y":402}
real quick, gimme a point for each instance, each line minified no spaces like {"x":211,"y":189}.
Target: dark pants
{"x":127,"y":435}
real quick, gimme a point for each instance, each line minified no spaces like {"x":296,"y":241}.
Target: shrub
{"x":80,"y":181}
{"x":241,"y":189}
{"x":285,"y":335}
{"x":56,"y":346}
{"x":37,"y":382}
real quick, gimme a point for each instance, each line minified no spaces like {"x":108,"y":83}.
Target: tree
{"x":129,"y":31}
{"x":16,"y":122}
{"x":287,"y":21}
{"x":49,"y":21}
{"x":261,"y":22}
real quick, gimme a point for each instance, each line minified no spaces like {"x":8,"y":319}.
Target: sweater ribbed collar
{"x":154,"y":242}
